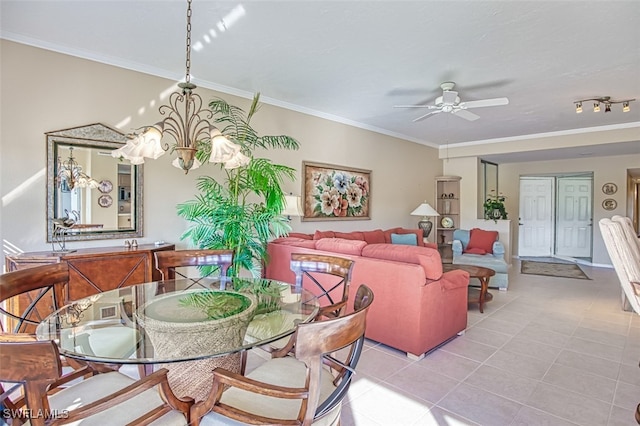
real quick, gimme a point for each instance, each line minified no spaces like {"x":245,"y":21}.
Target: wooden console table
{"x":92,"y":270}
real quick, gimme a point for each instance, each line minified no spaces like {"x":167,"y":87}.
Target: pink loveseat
{"x":416,"y":306}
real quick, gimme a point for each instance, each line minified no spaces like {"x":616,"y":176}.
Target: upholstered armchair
{"x":481,"y":248}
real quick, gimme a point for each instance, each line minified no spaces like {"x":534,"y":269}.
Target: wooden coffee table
{"x":481,"y":295}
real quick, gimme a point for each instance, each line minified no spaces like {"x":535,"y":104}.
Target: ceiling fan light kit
{"x":606,"y":101}
{"x":450,"y":103}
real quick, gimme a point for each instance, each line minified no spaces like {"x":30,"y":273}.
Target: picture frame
{"x":331,"y":192}
{"x":609,"y":188}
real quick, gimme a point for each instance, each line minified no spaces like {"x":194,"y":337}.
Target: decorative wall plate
{"x":446,"y":222}
{"x":610,"y":188}
{"x":105,"y":201}
{"x":105,"y":186}
{"x":609,"y":204}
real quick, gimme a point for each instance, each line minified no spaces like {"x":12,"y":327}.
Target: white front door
{"x":574,"y":222}
{"x":536,"y":216}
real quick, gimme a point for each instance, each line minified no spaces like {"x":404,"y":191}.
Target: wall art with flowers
{"x":335,"y":192}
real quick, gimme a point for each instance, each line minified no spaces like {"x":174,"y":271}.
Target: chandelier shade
{"x":70,"y":172}
{"x":187,"y":123}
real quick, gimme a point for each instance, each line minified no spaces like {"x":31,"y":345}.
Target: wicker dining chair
{"x":36,"y":391}
{"x":327,"y":277}
{"x":209,"y":262}
{"x":31,"y":295}
{"x":305,"y":388}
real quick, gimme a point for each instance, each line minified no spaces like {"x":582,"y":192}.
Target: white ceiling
{"x":351,"y":61}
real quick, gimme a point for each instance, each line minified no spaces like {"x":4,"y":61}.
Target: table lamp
{"x":425,"y":210}
{"x":292,"y":206}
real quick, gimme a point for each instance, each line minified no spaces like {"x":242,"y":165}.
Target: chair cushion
{"x":104,"y":384}
{"x":286,"y":371}
{"x":481,"y":239}
{"x":405,"y":239}
{"x":340,"y":245}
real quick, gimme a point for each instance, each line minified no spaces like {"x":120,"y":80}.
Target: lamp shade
{"x":292,"y":206}
{"x":424,"y":209}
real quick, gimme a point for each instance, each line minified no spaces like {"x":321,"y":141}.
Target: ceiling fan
{"x":450,"y":102}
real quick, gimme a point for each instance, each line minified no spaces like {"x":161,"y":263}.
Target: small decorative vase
{"x":496,"y":214}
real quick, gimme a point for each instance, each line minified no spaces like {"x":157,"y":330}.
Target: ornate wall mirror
{"x":90,"y":194}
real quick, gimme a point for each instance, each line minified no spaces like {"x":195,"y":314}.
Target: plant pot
{"x":178,"y":331}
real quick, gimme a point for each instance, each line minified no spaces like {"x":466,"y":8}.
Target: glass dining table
{"x":189,"y":326}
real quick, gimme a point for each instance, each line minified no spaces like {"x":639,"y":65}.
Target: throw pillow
{"x":355,"y":235}
{"x":318,"y":235}
{"x":374,"y":237}
{"x":482,"y":239}
{"x":300,"y":235}
{"x":418,"y":233}
{"x":406,"y":239}
{"x":475,"y":251}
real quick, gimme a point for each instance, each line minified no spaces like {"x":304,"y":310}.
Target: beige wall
{"x":44,"y":91}
{"x":605,"y":169}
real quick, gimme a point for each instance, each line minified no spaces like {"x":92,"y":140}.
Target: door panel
{"x":536,"y":218}
{"x":574,"y":218}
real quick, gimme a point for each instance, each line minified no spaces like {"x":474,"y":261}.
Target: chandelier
{"x":188,"y":125}
{"x":604,"y":100}
{"x":70,"y":172}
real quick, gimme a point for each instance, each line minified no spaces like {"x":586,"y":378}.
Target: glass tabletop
{"x":178,"y":320}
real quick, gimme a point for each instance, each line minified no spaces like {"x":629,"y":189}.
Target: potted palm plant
{"x":243,"y":210}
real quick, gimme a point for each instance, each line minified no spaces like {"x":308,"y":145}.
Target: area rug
{"x":563,"y":270}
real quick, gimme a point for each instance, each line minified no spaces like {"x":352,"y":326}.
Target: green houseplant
{"x":242,"y":210}
{"x":494,"y":206}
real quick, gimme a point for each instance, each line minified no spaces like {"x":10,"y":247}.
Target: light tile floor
{"x":549,"y":351}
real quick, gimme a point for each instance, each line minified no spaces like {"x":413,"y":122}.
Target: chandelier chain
{"x":188,"y":60}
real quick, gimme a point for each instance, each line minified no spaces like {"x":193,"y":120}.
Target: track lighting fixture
{"x":607,"y":101}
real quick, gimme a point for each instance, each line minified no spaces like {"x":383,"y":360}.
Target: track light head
{"x":596,"y":107}
{"x":607,"y":108}
{"x":578,"y":107}
{"x":625,"y":107}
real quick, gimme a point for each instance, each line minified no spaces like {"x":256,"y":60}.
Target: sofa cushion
{"x":374,"y":237}
{"x":418,"y":232}
{"x":318,"y":235}
{"x":481,"y":239}
{"x":426,"y":257}
{"x":300,"y":235}
{"x":350,"y":235}
{"x":405,"y":239}
{"x":340,"y":245}
{"x":295,"y":241}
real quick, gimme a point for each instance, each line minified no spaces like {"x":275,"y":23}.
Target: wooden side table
{"x":481,"y":295}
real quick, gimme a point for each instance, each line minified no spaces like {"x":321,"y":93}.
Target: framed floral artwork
{"x":335,"y":192}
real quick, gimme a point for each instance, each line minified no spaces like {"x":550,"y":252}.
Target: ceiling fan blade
{"x":427,"y":115}
{"x":467,"y":115}
{"x":449,"y":97}
{"x":485,"y":103}
{"x":415,"y":106}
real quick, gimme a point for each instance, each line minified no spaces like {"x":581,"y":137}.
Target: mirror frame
{"x":91,"y":136}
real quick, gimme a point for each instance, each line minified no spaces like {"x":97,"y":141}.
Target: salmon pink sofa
{"x":416,"y":307}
